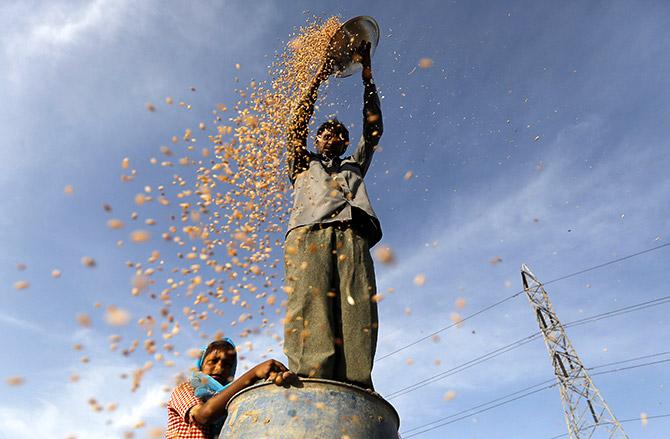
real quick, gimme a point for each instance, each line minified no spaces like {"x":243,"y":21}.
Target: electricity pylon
{"x":586,"y":412}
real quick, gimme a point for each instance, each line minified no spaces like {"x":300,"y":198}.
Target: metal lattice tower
{"x":586,"y":412}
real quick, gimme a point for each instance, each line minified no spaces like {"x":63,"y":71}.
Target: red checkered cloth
{"x":180,"y":424}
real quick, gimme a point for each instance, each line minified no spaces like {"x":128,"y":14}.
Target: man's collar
{"x":330,"y":162}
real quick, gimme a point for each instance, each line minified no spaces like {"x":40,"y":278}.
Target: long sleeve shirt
{"x":333,"y":190}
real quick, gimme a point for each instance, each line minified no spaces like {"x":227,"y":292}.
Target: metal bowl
{"x":347,"y":38}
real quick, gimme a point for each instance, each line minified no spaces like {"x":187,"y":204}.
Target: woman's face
{"x":219,"y":364}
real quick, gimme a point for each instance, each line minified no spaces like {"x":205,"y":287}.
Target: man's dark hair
{"x":336,"y":127}
{"x":218,"y":345}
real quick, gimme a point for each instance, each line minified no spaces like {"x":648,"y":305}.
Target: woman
{"x":197,"y":408}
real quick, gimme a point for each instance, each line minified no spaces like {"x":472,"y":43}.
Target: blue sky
{"x":538,"y":136}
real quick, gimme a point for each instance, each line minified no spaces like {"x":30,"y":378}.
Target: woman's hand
{"x":274,"y":371}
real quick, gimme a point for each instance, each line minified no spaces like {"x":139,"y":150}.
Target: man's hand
{"x":274,"y":371}
{"x":362,"y":55}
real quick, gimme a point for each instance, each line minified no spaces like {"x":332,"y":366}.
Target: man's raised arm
{"x":372,"y":113}
{"x":298,"y":156}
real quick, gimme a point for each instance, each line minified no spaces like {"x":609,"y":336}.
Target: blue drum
{"x":310,"y":408}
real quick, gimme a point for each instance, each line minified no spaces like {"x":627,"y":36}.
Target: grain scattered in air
{"x":125,"y":163}
{"x":449,"y":395}
{"x":425,"y":63}
{"x":495,"y":260}
{"x":409,"y":361}
{"x":88,"y":261}
{"x":21,"y":266}
{"x":385,"y":255}
{"x":644,"y":419}
{"x":460,"y":302}
{"x":456,"y":319}
{"x":55,"y":273}
{"x":84,"y":320}
{"x":21,"y":284}
{"x":156,"y":433}
{"x":15,"y":381}
{"x":226,"y":208}
{"x":376,"y":298}
{"x":115,"y":223}
{"x":351,"y":301}
{"x":194,"y":353}
{"x":117,"y":316}
{"x":69,"y":190}
{"x":536,"y":138}
{"x":419,"y":280}
{"x":408,"y":175}
{"x":150,"y":107}
{"x":408,"y":311}
{"x":140,"y":236}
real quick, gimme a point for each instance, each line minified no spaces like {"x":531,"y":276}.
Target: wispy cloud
{"x":62,"y":409}
{"x":51,"y":31}
{"x":17,"y":323}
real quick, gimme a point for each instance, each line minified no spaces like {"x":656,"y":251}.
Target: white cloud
{"x":21,"y":324}
{"x":59,"y":30}
{"x":62,"y":409}
{"x":52,"y":30}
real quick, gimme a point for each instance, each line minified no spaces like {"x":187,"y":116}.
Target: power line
{"x":620,"y":369}
{"x":518,"y":293}
{"x":483,"y":310}
{"x":543,"y":383}
{"x":423,"y":428}
{"x":477,"y":412}
{"x":526,"y":389}
{"x":625,"y":310}
{"x":643,"y":357}
{"x":666,"y":415}
{"x":464,"y":366}
{"x":605,"y":264}
{"x":518,"y":343}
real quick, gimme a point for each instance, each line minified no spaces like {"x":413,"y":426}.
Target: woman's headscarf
{"x":204,"y":385}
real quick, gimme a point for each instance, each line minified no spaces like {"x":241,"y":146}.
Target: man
{"x":331,"y":322}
